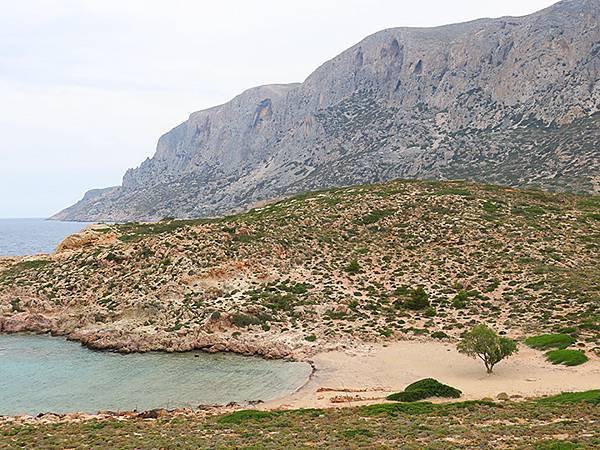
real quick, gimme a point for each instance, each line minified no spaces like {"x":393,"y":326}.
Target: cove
{"x":49,"y":374}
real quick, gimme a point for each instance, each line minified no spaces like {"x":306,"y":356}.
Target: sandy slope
{"x":373,"y":371}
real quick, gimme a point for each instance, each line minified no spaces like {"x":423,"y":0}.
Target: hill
{"x":321,"y":271}
{"x":510,"y":101}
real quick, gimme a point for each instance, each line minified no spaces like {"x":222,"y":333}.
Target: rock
{"x":26,"y":321}
{"x":459,"y":101}
{"x":503,"y":396}
{"x":153,"y":414}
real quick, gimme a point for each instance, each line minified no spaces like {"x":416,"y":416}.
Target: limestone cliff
{"x":513,"y":100}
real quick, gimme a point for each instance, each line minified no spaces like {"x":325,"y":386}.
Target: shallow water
{"x":42,"y":373}
{"x":20,"y":237}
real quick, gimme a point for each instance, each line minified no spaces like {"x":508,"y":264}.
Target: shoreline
{"x":370,"y":372}
{"x":265,"y":346}
{"x":367,"y":373}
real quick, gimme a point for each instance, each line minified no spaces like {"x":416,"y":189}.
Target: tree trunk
{"x":489,"y":368}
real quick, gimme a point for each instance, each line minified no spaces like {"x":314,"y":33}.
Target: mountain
{"x":512,"y":101}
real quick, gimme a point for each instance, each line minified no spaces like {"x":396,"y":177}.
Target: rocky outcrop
{"x":24,"y":321}
{"x":127,"y":341}
{"x":513,"y":100}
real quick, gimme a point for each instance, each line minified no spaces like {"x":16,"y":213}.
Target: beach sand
{"x":371,"y":372}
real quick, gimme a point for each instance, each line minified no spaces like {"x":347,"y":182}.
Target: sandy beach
{"x":368,"y":373}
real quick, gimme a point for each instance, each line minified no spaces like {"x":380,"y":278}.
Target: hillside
{"x":512,"y":101}
{"x":403,"y":259}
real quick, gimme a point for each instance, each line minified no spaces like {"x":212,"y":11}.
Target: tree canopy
{"x":484,"y":343}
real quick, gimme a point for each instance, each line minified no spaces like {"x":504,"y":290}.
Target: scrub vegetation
{"x":378,"y":262}
{"x":535,"y":423}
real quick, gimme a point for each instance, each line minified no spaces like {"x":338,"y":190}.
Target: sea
{"x":50,"y":374}
{"x":21,"y":237}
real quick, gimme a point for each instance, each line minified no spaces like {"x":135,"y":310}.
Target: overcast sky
{"x":88,"y":86}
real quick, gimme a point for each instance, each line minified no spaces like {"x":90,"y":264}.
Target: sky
{"x":88,"y":86}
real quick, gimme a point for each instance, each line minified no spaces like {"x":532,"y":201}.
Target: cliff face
{"x":513,"y":101}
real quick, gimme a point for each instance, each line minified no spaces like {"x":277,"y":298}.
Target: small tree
{"x":482,"y":342}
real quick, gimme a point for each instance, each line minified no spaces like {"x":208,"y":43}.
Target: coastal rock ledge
{"x":266,"y":346}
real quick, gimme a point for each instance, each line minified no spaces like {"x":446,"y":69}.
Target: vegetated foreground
{"x":323,"y":270}
{"x":565,"y":421}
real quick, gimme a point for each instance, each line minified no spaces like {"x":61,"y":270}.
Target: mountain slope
{"x":513,"y":100}
{"x":324,"y":270}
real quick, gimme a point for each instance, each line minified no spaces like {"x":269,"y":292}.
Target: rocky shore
{"x":266,"y":346}
{"x":157,"y":413}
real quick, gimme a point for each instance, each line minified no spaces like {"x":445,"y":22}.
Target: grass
{"x":534,"y":424}
{"x":246,"y":415}
{"x":566,"y":357}
{"x":592,"y":397}
{"x":546,"y":341}
{"x":425,"y":388}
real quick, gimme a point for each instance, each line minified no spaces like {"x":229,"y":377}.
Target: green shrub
{"x":430,"y":312}
{"x":425,"y":388}
{"x":245,"y":415}
{"x":244,"y":320}
{"x":557,"y":445}
{"x":546,"y":341}
{"x":15,"y":304}
{"x":460,"y":300}
{"x":418,"y":299}
{"x":397,"y":408}
{"x":393,"y":409}
{"x":566,"y":357}
{"x":439,"y":335}
{"x":299,"y":288}
{"x":33,"y":264}
{"x":353,"y":433}
{"x":310,"y":338}
{"x":375,"y":216}
{"x":353,"y":267}
{"x":592,"y":397}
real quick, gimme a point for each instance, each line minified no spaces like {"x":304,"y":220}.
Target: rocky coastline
{"x":138,"y":342}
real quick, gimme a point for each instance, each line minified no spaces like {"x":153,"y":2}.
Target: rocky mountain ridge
{"x":513,"y":100}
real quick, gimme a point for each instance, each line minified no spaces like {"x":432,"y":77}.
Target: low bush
{"x":460,"y":300}
{"x":592,"y":397}
{"x":419,"y":299}
{"x":439,"y":335}
{"x":245,"y":415}
{"x":547,"y":341}
{"x":244,"y":320}
{"x":425,"y":388}
{"x":353,"y":267}
{"x":557,"y":445}
{"x":566,"y":357}
{"x":374,"y":216}
{"x":393,"y":409}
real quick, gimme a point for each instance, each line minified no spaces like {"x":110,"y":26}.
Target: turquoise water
{"x":42,"y":373}
{"x":20,"y":237}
